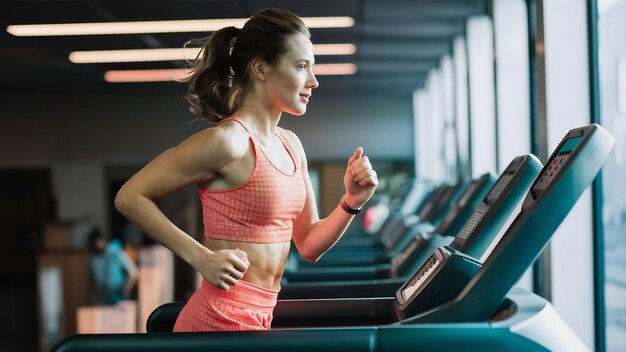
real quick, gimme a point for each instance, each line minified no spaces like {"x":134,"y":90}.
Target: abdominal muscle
{"x":267,"y":260}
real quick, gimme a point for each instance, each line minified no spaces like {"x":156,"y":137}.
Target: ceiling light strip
{"x":161,"y":75}
{"x":121,"y":76}
{"x":334,"y":69}
{"x":174,"y":26}
{"x":177,"y":54}
{"x":133,"y":55}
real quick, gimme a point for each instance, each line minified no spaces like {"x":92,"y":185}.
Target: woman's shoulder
{"x":293,"y":141}
{"x":290,"y":136}
{"x":226,"y":142}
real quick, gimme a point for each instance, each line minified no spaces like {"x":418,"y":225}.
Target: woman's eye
{"x":302,"y":67}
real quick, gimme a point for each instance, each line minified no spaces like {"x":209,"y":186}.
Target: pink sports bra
{"x":262,"y":209}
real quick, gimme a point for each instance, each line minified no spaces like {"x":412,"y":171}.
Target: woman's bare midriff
{"x":267,"y":260}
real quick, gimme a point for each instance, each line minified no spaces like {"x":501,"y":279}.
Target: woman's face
{"x":290,"y":82}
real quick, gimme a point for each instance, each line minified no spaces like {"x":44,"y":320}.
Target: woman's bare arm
{"x":314,"y":236}
{"x":197,"y":159}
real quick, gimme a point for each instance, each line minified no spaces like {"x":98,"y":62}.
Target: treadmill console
{"x":446,"y":268}
{"x":399,"y":262}
{"x":526,"y":167}
{"x":472,"y":189}
{"x":460,"y":205}
{"x":555,"y":165}
{"x":416,"y":195}
{"x":450,"y":261}
{"x":403,"y":226}
{"x":471,"y":224}
{"x":570,"y":169}
{"x":390,"y":225}
{"x":426,"y":272}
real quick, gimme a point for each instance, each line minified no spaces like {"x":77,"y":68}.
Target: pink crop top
{"x":262,"y":209}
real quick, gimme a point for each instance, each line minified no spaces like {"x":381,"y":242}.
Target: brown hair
{"x":220,"y":72}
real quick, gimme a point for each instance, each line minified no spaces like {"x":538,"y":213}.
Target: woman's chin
{"x":297,"y":111}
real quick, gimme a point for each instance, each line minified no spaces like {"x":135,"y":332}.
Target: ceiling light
{"x":119,"y":76}
{"x":175,"y":26}
{"x":334,"y":69}
{"x":175,"y":54}
{"x":334,"y":49}
{"x":133,"y":55}
{"x":145,"y":75}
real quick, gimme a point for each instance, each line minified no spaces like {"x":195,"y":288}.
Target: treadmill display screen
{"x":420,"y":277}
{"x":469,"y":226}
{"x":467,"y":195}
{"x":497,"y":190}
{"x":399,"y":260}
{"x":569,"y":145}
{"x":555,"y":165}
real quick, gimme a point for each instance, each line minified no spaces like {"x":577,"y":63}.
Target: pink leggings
{"x":244,"y":307}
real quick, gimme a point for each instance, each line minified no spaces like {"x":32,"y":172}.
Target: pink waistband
{"x":243,"y":295}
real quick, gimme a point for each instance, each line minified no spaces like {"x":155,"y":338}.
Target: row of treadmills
{"x":439,"y":274}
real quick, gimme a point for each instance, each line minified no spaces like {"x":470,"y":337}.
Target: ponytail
{"x":210,"y":95}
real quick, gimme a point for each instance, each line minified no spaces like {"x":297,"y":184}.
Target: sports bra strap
{"x":238,"y":120}
{"x":286,"y":144}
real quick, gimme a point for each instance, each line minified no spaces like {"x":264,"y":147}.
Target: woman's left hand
{"x":360,"y":180}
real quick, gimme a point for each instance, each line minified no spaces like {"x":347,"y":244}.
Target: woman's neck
{"x":259,"y":117}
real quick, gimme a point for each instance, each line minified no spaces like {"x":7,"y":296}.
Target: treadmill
{"x":407,"y":201}
{"x":425,"y":213}
{"x":356,"y":268}
{"x":414,"y":202}
{"x":481,"y":228}
{"x":409,"y":226}
{"x":350,"y":250}
{"x":480,"y":312}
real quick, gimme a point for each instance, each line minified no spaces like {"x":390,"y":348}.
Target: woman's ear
{"x":259,"y":69}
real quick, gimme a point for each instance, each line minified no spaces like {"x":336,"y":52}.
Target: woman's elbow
{"x":122,"y":201}
{"x":310,"y":256}
{"x":312,"y":259}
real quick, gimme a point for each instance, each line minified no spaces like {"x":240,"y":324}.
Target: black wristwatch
{"x":347,"y":208}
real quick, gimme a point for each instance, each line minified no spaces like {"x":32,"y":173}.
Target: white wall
{"x":424,"y":156}
{"x":512,"y":88}
{"x":567,"y":93}
{"x":449,"y":134}
{"x":429,"y":115}
{"x":461,"y":102}
{"x":512,"y":79}
{"x":481,"y":95}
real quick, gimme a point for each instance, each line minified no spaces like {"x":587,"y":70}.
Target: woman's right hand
{"x":225,"y":267}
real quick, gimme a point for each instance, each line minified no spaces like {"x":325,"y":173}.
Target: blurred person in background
{"x":113,"y":273}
